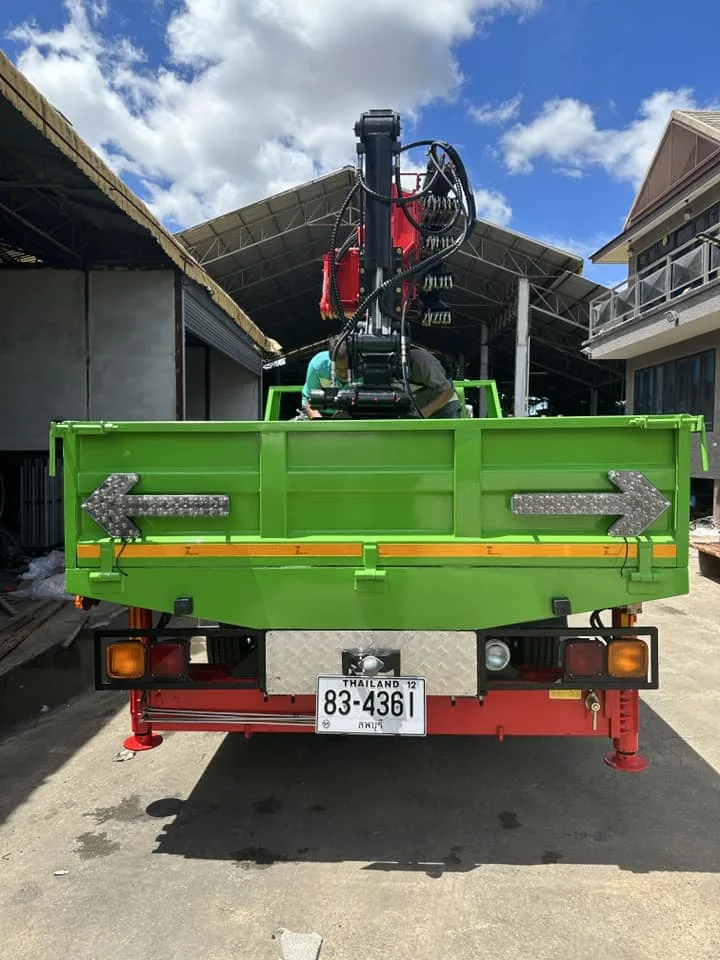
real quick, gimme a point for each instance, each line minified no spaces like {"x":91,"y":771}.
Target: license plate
{"x":393,"y":706}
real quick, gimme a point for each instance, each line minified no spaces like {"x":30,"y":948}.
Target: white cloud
{"x":498,"y":113}
{"x":492,"y":205}
{"x":581,"y":247}
{"x":566,"y":133}
{"x":255,"y":96}
{"x":572,"y":172}
{"x":607,"y":274}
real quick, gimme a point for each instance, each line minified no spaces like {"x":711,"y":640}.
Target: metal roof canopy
{"x":62,"y":207}
{"x":267,"y":256}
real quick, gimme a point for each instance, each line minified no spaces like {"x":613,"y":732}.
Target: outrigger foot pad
{"x":626,"y":762}
{"x":142,"y":741}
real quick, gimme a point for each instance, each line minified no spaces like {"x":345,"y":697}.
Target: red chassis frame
{"x":500,"y":713}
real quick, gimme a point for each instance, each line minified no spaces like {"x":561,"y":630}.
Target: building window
{"x":683,"y":234}
{"x":686,"y":385}
{"x":657,"y":252}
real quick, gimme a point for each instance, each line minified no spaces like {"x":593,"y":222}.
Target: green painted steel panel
{"x":390,"y":494}
{"x":416,"y":598}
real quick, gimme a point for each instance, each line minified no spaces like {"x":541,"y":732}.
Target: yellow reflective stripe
{"x":588,"y":551}
{"x":556,"y":550}
{"x":176,"y":550}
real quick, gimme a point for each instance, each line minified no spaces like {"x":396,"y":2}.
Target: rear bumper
{"x":500,"y":714}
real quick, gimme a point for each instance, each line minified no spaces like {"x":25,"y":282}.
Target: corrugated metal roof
{"x":315,"y":204}
{"x":706,"y":121}
{"x":56,"y":130}
{"x":271,"y":250}
{"x":268,"y":257}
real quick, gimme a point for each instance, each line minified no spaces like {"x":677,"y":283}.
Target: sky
{"x":202,"y":106}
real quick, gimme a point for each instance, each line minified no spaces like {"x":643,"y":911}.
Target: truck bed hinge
{"x":370,"y":578}
{"x":645,"y":572}
{"x":108,"y":572}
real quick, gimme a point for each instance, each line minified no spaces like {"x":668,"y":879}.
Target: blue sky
{"x":556,"y":105}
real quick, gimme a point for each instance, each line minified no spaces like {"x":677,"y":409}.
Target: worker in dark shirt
{"x":434,"y":394}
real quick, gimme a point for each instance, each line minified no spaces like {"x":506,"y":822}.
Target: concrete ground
{"x":209,"y":846}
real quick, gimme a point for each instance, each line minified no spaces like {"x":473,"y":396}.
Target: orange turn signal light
{"x":125,"y":661}
{"x":628,"y":659}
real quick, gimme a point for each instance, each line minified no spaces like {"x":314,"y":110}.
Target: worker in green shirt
{"x":434,"y":393}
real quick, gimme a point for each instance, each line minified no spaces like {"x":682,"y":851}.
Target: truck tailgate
{"x":379,"y":525}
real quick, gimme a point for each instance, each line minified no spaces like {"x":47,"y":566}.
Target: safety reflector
{"x":628,"y":659}
{"x":584,"y":658}
{"x":168,"y":659}
{"x":125,"y":660}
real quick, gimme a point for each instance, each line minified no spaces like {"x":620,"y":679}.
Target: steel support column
{"x":484,"y":367}
{"x":593,"y":401}
{"x":522,"y":349}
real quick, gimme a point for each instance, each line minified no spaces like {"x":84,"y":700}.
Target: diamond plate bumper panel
{"x":447,"y":661}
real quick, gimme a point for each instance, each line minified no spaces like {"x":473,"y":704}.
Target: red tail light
{"x":584,"y":658}
{"x":168,"y":660}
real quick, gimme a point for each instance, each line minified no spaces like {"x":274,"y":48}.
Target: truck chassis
{"x":553,"y":699}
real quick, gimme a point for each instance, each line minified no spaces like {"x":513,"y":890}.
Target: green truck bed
{"x":417,"y":525}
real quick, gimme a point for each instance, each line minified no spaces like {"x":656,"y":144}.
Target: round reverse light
{"x":497,"y":655}
{"x":371,"y":666}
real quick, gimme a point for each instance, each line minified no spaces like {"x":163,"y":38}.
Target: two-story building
{"x":664,"y":320}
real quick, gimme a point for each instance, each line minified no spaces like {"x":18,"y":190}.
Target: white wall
{"x":110,"y":358}
{"x":43,"y":352}
{"x":132,"y":345}
{"x":231,"y":390}
{"x":59,"y":360}
{"x":234,"y":391}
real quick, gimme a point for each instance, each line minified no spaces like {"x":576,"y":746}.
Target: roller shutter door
{"x":205,"y":320}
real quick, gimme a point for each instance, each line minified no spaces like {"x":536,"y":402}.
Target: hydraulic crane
{"x":396,"y":268}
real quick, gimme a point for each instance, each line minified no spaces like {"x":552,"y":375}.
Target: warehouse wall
{"x":77,"y":348}
{"x":93,"y":346}
{"x":196,"y":381}
{"x":234,"y":391}
{"x":217,"y":387}
{"x":42,"y":359}
{"x":132,"y":345}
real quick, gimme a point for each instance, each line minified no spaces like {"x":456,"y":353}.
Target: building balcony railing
{"x":687,"y":269}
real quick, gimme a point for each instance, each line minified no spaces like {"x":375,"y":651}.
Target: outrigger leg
{"x":142,"y":737}
{"x":626,"y":727}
